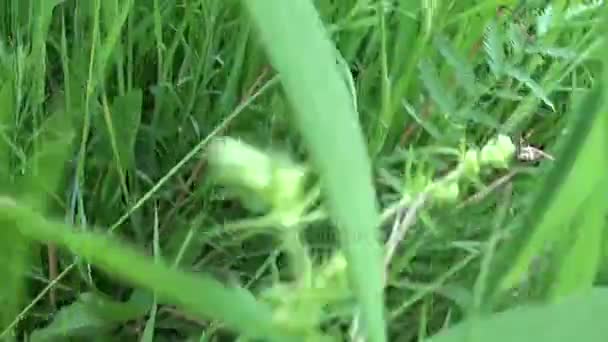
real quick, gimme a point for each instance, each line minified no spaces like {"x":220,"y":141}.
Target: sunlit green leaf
{"x":577,"y":318}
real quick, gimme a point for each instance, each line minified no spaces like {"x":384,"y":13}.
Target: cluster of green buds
{"x":299,"y":307}
{"x":266,"y":181}
{"x":496,"y":153}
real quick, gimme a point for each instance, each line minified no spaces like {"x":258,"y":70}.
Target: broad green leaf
{"x":200,"y":295}
{"x":580,"y":263}
{"x":45,"y":168}
{"x":90,"y":315}
{"x":300,"y":50}
{"x":585,"y":192}
{"x":14,"y":254}
{"x":577,"y":179}
{"x":122,"y":126}
{"x":7,"y":115}
{"x":14,"y":257}
{"x":575,"y":318}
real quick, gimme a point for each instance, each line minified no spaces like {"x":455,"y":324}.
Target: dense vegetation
{"x":219,"y":170}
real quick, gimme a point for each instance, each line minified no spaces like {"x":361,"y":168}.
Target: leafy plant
{"x":465,"y":136}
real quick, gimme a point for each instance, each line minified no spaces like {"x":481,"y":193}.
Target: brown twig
{"x":53,"y":272}
{"x":489,"y":189}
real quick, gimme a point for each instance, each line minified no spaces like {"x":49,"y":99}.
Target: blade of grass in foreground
{"x":299,"y":48}
{"x":568,"y":208}
{"x":200,"y":295}
{"x":575,"y":318}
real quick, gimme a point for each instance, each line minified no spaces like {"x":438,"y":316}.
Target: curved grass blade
{"x":570,"y":210}
{"x":200,"y":295}
{"x":576,"y":318}
{"x":301,"y":51}
{"x":90,"y":315}
{"x":574,"y":179}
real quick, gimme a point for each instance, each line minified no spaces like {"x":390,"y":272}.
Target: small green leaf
{"x":89,"y":315}
{"x":526,"y":79}
{"x":443,"y":98}
{"x":494,"y":47}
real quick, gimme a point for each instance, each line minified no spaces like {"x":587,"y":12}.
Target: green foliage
{"x":301,"y":51}
{"x":92,"y":314}
{"x":122,"y":123}
{"x":14,"y":262}
{"x":447,"y":96}
{"x":7,"y":101}
{"x":569,"y":208}
{"x":200,"y":295}
{"x":574,"y":317}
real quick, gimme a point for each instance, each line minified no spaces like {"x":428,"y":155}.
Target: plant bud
{"x":446,"y":193}
{"x":498,"y":152}
{"x":507,"y":147}
{"x":276,"y":181}
{"x":236,"y":163}
{"x":470,"y":163}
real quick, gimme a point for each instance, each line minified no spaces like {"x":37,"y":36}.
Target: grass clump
{"x":303,"y":170}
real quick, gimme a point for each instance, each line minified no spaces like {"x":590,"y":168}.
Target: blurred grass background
{"x":107,"y":109}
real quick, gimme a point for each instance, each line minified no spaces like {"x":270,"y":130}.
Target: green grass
{"x":128,"y":214}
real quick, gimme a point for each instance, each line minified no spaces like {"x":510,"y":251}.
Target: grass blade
{"x":577,"y":318}
{"x":572,"y":181}
{"x":202,"y":296}
{"x":300,"y":50}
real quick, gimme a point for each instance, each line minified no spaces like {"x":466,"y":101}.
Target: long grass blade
{"x":203,"y":296}
{"x":300,"y":50}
